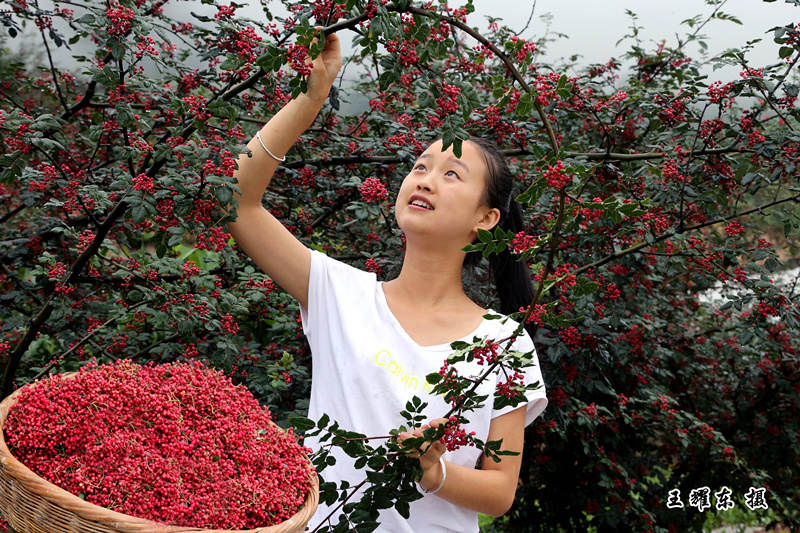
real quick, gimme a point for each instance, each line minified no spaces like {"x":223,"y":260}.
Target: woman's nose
{"x":425,"y":181}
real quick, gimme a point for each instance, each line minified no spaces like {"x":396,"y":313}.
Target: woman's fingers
{"x":439,"y":447}
{"x":331,"y":55}
{"x":326,"y":65}
{"x":403,"y":436}
{"x":436,"y":421}
{"x":332,"y":45}
{"x":324,"y":68}
{"x":419,"y":431}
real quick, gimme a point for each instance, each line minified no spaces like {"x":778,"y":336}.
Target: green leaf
{"x":367,"y":527}
{"x":484,"y":235}
{"x":533,"y":193}
{"x":433,"y":378}
{"x":354,"y":448}
{"x":224,"y":194}
{"x":457,"y":147}
{"x":771,"y":264}
{"x":525,"y":105}
{"x":46,"y":144}
{"x":138,"y":214}
{"x":117,"y":48}
{"x":585,"y":286}
{"x":403,"y":508}
{"x":447,"y":139}
{"x":376,"y":462}
{"x":87,"y":18}
{"x":424,"y":99}
{"x":386,"y":78}
{"x":301,"y":423}
{"x":328,"y":494}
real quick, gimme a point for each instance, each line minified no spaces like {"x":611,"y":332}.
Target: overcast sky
{"x":593,"y":27}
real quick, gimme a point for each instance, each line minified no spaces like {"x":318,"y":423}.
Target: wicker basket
{"x":31,"y":504}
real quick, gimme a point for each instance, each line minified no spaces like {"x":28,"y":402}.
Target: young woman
{"x":374,"y":342}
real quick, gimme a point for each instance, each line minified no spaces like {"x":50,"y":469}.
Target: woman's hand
{"x":429,"y":460}
{"x":325,"y":67}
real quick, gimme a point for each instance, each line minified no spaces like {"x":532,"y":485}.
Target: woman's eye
{"x":421,"y":166}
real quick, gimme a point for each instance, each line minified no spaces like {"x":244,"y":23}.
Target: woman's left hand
{"x":429,"y":460}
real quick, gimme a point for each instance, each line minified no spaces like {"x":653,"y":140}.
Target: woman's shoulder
{"x":339,"y":266}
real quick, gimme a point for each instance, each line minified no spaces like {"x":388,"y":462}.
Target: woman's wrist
{"x":316,"y":101}
{"x":433,"y":478}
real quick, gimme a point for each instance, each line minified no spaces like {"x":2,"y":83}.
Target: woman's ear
{"x":489,"y":219}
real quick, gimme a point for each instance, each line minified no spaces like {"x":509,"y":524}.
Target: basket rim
{"x":10,"y":466}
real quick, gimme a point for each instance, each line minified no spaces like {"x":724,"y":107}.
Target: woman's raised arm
{"x":271,"y":246}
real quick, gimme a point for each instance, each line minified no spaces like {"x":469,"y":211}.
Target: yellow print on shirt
{"x":385,"y":359}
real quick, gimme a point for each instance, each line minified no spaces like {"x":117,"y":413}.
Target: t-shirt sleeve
{"x":333,"y":287}
{"x":322,"y":281}
{"x":536,"y":398}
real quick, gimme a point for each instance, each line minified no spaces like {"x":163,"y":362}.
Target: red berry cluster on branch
{"x":522,"y":242}
{"x":486,"y":354}
{"x":373,"y":190}
{"x":120,"y":18}
{"x":510,"y":388}
{"x":372,"y":265}
{"x":556,"y":176}
{"x":297,"y":55}
{"x":446,"y":104}
{"x":455,"y":436}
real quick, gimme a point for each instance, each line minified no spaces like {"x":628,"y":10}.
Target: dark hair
{"x":511,"y":274}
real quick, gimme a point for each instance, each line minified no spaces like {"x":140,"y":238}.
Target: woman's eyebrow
{"x":453,"y":159}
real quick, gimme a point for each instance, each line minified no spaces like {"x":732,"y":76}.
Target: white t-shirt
{"x":365,"y":367}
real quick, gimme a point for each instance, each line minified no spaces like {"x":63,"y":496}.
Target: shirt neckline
{"x":434,"y":347}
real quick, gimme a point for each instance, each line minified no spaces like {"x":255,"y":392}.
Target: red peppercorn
{"x":174,"y":443}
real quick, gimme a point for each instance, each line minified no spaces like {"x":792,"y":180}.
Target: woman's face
{"x":454,"y":187}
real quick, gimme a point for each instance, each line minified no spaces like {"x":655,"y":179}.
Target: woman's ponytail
{"x":510,"y":272}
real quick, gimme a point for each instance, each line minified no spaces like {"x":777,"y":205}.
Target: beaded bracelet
{"x":279,"y":159}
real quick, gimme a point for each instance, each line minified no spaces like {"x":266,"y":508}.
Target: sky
{"x":593,"y":27}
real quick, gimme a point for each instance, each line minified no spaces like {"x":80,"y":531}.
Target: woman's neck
{"x":430,"y":280}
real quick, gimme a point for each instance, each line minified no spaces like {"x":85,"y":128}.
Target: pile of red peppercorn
{"x":176,"y":443}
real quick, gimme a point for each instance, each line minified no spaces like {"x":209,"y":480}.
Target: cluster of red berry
{"x":455,"y":436}
{"x":556,"y":176}
{"x":120,"y":17}
{"x":373,"y":190}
